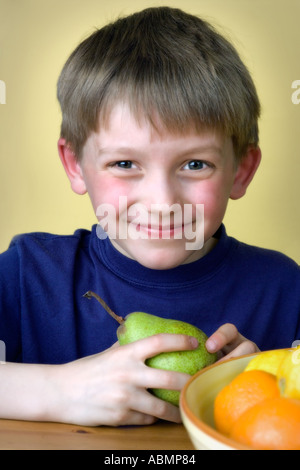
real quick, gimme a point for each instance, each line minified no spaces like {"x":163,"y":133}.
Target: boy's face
{"x":145,"y":187}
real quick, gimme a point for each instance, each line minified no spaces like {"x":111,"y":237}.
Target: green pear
{"x":138,"y":325}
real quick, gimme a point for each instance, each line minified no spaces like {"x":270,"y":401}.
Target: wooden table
{"x":25,"y":435}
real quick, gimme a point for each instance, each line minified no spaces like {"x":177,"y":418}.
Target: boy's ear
{"x":72,"y":167}
{"x":245,"y":172}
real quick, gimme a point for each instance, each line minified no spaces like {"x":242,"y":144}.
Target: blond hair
{"x":163,"y":62}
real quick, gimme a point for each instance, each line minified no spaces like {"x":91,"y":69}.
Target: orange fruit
{"x":270,"y":425}
{"x":246,"y":390}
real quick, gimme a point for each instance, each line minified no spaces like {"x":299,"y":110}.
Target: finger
{"x":227,"y":334}
{"x":141,"y":419}
{"x":164,"y":342}
{"x":246,"y":347}
{"x":141,"y":407}
{"x":130,"y":418}
{"x":148,"y":404}
{"x":149,"y":377}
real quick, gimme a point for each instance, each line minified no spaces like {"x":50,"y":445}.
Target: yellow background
{"x":36,"y":37}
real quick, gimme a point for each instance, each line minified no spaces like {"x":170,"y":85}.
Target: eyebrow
{"x":127,"y":150}
{"x":113,"y":150}
{"x":204,"y":149}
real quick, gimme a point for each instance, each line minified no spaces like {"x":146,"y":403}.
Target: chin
{"x":158,"y":254}
{"x":162,"y":259}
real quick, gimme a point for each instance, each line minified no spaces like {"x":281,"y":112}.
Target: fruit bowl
{"x":197,"y":404}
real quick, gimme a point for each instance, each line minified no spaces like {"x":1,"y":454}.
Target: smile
{"x":154,"y":231}
{"x":138,"y":222}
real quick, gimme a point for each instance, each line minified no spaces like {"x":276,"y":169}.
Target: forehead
{"x":121,"y":124}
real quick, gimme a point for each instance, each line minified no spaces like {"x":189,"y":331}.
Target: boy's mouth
{"x":137,"y":222}
{"x":160,"y":231}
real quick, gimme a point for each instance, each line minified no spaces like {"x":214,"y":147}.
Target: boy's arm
{"x":228,"y":342}
{"x":110,"y":388}
{"x":29,"y":391}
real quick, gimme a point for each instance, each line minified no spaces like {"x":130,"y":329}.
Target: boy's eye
{"x":125,"y":164}
{"x":195,"y":165}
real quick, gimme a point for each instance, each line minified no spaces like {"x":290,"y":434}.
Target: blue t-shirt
{"x":44,"y":317}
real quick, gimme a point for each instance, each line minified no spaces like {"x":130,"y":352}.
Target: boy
{"x":159,"y":121}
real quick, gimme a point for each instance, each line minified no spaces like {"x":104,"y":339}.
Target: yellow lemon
{"x":268,"y":361}
{"x":288,"y":374}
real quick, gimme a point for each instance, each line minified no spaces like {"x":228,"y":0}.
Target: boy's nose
{"x":160,"y":190}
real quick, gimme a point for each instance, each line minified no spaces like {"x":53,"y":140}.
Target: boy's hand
{"x":228,"y":343}
{"x":110,"y":388}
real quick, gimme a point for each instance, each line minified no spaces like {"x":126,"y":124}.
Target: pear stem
{"x":89,"y":294}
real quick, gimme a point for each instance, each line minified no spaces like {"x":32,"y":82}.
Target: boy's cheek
{"x":105,"y":192}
